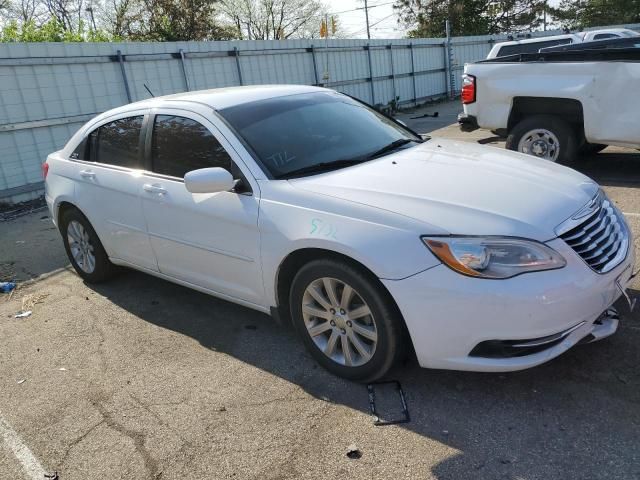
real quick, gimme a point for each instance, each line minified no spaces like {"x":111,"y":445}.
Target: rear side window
{"x":602,"y":36}
{"x":181,"y":144}
{"x":114,"y":143}
{"x":118,"y":143}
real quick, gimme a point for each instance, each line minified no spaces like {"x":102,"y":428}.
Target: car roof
{"x":609,"y":30}
{"x":220,"y":98}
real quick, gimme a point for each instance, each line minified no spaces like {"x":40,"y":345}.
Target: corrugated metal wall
{"x":47,"y":90}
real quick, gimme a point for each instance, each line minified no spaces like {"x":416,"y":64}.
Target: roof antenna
{"x":150,"y":92}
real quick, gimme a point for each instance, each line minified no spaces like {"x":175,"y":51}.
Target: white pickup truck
{"x":559,"y":103}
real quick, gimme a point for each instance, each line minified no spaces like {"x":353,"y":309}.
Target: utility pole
{"x":366,"y":14}
{"x":93,"y":20}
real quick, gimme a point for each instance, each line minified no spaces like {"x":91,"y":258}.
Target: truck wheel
{"x":348,"y":324}
{"x":544,"y":136}
{"x":591,"y":148}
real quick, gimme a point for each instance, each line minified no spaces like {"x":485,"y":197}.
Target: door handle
{"x":87,"y":174}
{"x":154,"y":189}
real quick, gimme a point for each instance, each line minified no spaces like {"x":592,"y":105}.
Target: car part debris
{"x":51,"y":476}
{"x":6,"y":287}
{"x":372,"y":404}
{"x":25,"y":314}
{"x":426,"y":115}
{"x":21,"y":381}
{"x":353,"y":452}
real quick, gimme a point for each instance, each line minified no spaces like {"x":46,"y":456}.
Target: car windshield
{"x":314,"y":132}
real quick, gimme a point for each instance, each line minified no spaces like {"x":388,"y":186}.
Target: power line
{"x":354,"y":9}
{"x":373,"y":24}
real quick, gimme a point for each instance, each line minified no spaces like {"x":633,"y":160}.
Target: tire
{"x":102,"y":269}
{"x":525,"y":133}
{"x":591,"y":148}
{"x":384,"y":320}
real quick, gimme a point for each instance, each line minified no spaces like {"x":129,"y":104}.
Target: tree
{"x":274,"y":19}
{"x":51,"y":31}
{"x":580,"y":14}
{"x":177,"y":20}
{"x":469,"y":17}
{"x":88,"y":20}
{"x":26,"y":10}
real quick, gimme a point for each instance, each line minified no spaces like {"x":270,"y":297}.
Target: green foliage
{"x":51,"y":31}
{"x":580,"y":14}
{"x":182,"y":20}
{"x":469,"y":17}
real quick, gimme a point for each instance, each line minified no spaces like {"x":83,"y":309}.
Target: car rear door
{"x":109,"y":164}
{"x":207,"y":240}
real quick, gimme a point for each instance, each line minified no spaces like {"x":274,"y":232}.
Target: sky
{"x":382,"y":19}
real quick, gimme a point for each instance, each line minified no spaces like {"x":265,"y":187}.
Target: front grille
{"x":601,"y":239}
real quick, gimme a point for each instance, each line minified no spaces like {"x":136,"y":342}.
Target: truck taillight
{"x":45,"y":170}
{"x":468,"y":89}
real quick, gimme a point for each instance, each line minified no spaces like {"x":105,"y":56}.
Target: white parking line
{"x":631,"y":214}
{"x":29,"y":462}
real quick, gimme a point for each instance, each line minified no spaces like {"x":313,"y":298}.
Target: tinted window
{"x":180,"y":145}
{"x":602,"y":36}
{"x":532,"y":47}
{"x":299,"y":131}
{"x":117,"y":143}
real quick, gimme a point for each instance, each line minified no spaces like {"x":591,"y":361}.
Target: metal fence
{"x":47,"y":90}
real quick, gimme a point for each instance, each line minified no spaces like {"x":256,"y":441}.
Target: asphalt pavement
{"x":138,"y":378}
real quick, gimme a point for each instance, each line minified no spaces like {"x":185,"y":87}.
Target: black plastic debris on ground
{"x":12,"y":211}
{"x":51,"y":476}
{"x":354,"y":452}
{"x":387,"y":403}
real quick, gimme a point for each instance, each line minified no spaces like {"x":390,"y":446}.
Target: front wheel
{"x":544,"y":136}
{"x":345,"y":319}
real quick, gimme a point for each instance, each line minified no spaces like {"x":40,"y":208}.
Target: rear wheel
{"x":345,"y":320}
{"x":84,"y":249}
{"x":544,"y":136}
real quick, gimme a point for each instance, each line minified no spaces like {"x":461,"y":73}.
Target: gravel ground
{"x":142,"y":379}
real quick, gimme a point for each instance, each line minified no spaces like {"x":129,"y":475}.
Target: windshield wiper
{"x":392,"y":146}
{"x":320,"y":167}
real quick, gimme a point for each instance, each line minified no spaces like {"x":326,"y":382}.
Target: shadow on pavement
{"x":612,"y":169}
{"x":576,"y":417}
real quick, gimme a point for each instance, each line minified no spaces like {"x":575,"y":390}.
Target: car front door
{"x":207,"y":240}
{"x":108,"y":185}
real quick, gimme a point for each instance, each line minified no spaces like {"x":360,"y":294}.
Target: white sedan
{"x":306,"y":204}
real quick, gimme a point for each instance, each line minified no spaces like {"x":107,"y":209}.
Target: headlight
{"x":493,"y":257}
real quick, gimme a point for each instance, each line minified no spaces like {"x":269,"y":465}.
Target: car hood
{"x":463,"y":189}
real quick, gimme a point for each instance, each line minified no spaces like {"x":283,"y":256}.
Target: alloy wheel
{"x":339,"y":322}
{"x":81,"y":247}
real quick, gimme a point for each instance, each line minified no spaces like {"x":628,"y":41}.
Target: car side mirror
{"x":209,"y":180}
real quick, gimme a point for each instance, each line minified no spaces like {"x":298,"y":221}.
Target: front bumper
{"x":448,"y":315}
